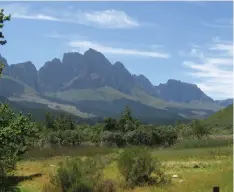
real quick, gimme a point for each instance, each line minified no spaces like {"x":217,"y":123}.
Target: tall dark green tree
{"x":127,"y":122}
{"x":110,"y":124}
{"x":49,"y":120}
{"x":3,"y":19}
{"x":17,"y":132}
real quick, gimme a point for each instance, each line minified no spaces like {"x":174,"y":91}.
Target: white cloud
{"x":56,"y":35}
{"x":84,"y":45}
{"x":111,"y":18}
{"x":66,"y":37}
{"x":214,"y":70}
{"x":220,"y":23}
{"x":105,"y":18}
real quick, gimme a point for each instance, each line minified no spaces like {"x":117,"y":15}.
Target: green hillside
{"x":221,"y":121}
{"x":223,"y":115}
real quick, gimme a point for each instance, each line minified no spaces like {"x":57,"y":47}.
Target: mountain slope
{"x":144,"y":113}
{"x":38,"y":110}
{"x":224,"y":115}
{"x":78,"y":78}
{"x":182,"y":92}
{"x":221,"y":121}
{"x":224,"y":103}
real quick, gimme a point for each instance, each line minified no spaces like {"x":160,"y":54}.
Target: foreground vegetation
{"x":114,"y":142}
{"x":108,"y":147}
{"x":197,"y":169}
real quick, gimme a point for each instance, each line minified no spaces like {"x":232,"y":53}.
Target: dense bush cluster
{"x":62,"y":131}
{"x":137,"y":166}
{"x":76,"y":175}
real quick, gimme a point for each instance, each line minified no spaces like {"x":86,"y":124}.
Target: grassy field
{"x":198,"y":169}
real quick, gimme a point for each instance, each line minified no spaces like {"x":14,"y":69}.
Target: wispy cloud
{"x":67,"y":37}
{"x":111,"y":18}
{"x":105,"y":18}
{"x":84,"y":45}
{"x":213,"y":68}
{"x":220,"y":23}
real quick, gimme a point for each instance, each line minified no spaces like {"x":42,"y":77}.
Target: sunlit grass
{"x":198,"y":170}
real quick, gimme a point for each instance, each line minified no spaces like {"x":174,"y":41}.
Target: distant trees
{"x":126,"y":130}
{"x":61,"y":130}
{"x":198,"y":129}
{"x":123,"y":131}
{"x":61,"y":122}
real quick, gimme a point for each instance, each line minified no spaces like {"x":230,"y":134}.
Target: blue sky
{"x":187,"y":41}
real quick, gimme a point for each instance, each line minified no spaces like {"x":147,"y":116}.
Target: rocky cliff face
{"x":51,"y":75}
{"x":144,"y":83}
{"x":25,"y":72}
{"x":181,"y":92}
{"x":93,"y":70}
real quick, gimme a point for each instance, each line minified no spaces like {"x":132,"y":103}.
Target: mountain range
{"x":89,"y":85}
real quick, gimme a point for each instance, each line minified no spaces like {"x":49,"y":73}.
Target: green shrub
{"x":113,"y":138}
{"x":76,"y":175}
{"x":199,"y":129}
{"x":17,"y":134}
{"x":163,"y":135}
{"x":136,"y":166}
{"x":110,"y":124}
{"x":138,"y":137}
{"x":106,"y":186}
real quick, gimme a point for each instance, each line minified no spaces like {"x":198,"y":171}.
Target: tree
{"x":3,"y":19}
{"x":116,"y":138}
{"x":127,"y":122}
{"x":138,"y":137}
{"x":63,"y":122}
{"x":198,"y":129}
{"x":17,"y":133}
{"x":110,"y":124}
{"x":49,"y":120}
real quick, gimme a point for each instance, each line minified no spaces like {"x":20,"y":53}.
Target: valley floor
{"x":198,"y":170}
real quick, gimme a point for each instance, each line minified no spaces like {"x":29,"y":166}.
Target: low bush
{"x":113,"y":138}
{"x":76,"y":175}
{"x":136,"y":165}
{"x":106,"y":186}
